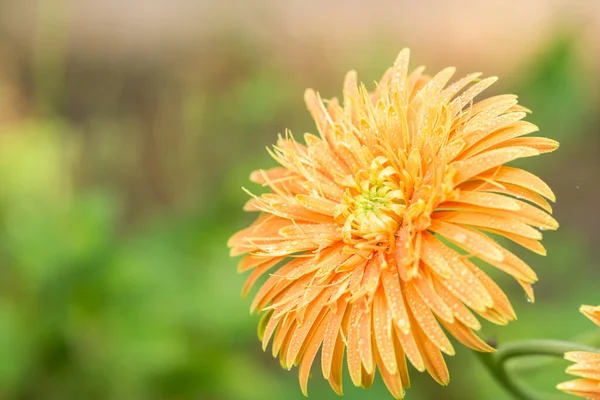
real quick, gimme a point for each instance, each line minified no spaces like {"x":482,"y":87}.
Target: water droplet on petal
{"x":461,"y":237}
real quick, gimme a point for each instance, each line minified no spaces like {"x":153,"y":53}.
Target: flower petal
{"x":518,"y":177}
{"x":482,"y":162}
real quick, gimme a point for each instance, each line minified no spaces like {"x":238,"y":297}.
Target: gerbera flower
{"x":587,"y":366}
{"x":369,"y":228}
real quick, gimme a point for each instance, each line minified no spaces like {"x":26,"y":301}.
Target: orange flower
{"x":358,"y":225}
{"x":587,"y":366}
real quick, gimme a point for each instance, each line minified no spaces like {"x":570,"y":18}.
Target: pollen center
{"x":373,"y":204}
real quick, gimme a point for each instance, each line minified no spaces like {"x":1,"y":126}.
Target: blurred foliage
{"x":115,"y":278}
{"x":555,"y":86}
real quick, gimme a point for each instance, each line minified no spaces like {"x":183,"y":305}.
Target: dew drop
{"x":461,"y":237}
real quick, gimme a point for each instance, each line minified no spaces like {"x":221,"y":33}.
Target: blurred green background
{"x":128,"y":128}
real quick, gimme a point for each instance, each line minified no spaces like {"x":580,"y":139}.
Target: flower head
{"x":587,"y":366}
{"x":369,"y":228}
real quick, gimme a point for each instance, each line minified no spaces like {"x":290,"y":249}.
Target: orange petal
{"x":461,"y":312}
{"x":308,"y":357}
{"x":500,"y":301}
{"x":367,"y":378}
{"x":592,"y":313}
{"x":582,"y":357}
{"x":507,"y":188}
{"x":251,"y":261}
{"x":350,"y":89}
{"x":519,"y":177}
{"x":335,"y":377}
{"x":489,"y":200}
{"x":426,"y":291}
{"x":527,"y":214}
{"x":433,"y":359}
{"x":464,"y":335}
{"x":392,"y":381}
{"x":482,"y":113}
{"x":401,"y":361}
{"x":298,"y":212}
{"x":317,"y":111}
{"x":279,"y":179}
{"x":457,"y":86}
{"x":400,"y":71}
{"x":475,"y":165}
{"x":529,"y":244}
{"x":528,"y":290}
{"x":485,"y":248}
{"x":265,"y":226}
{"x":285,"y":329}
{"x":470,"y":240}
{"x":382,"y":328}
{"x":588,"y":388}
{"x":353,"y":359}
{"x":258,"y":272}
{"x":534,"y":216}
{"x":320,"y":151}
{"x":432,"y":257}
{"x":330,"y":337}
{"x":464,"y":283}
{"x":275,"y":284}
{"x":541,"y":144}
{"x":589,"y":371}
{"x":315,"y":311}
{"x":365,"y":341}
{"x":318,"y":205}
{"x":426,"y":319}
{"x":496,"y":131}
{"x":352,"y":263}
{"x":313,"y":231}
{"x":494,"y":316}
{"x":489,"y":221}
{"x":468,"y":95}
{"x":409,"y":345}
{"x":261,"y":176}
{"x":394,"y":296}
{"x":286,"y":248}
{"x":271,"y":324}
{"x":323,"y":262}
{"x":370,"y":280}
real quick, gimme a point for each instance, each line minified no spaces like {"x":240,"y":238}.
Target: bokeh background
{"x":127,"y":129}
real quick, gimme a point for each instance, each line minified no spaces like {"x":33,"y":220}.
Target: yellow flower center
{"x":373,"y":204}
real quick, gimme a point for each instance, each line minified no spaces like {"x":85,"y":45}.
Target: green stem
{"x":497,"y":362}
{"x":590,"y":339}
{"x":503,"y":378}
{"x":555,"y":348}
